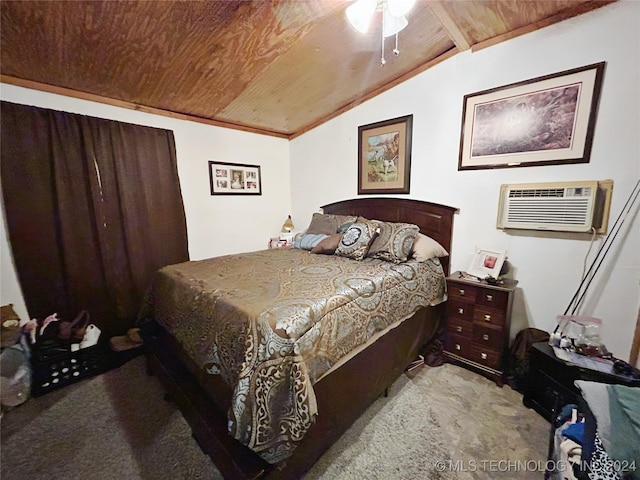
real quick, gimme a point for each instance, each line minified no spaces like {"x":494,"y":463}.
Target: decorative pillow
{"x":426,"y":247}
{"x":327,"y":223}
{"x":344,"y":227}
{"x":328,"y":245}
{"x":308,"y":241}
{"x":356,"y":240}
{"x":394,"y":242}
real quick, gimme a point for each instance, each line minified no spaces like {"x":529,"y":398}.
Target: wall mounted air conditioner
{"x":557,"y":206}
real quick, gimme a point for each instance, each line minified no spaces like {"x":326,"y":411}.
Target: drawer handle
{"x":462,"y":291}
{"x":458,"y":347}
{"x":460,"y":310}
{"x":487,"y":318}
{"x":489,"y":298}
{"x":485,"y":337}
{"x":458,"y":328}
{"x":483,"y":356}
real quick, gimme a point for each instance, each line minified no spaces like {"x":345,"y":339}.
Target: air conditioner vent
{"x":568,"y":206}
{"x":537,"y":192}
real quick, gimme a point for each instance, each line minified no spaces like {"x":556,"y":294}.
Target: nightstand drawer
{"x":488,"y":316}
{"x":487,"y":337}
{"x":461,"y":292}
{"x":460,"y":327}
{"x":458,"y":344}
{"x":493,"y":299}
{"x":460,"y":310}
{"x":486,"y":357}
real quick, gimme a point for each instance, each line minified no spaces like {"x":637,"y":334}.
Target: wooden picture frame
{"x":547,"y":120}
{"x":384,"y":156}
{"x":486,"y":263}
{"x":234,"y":179}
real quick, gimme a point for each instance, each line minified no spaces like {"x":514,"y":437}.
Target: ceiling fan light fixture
{"x":392,"y":25}
{"x":399,"y":8}
{"x":360,"y":14}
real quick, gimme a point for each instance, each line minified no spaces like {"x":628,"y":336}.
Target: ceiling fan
{"x":361,"y":13}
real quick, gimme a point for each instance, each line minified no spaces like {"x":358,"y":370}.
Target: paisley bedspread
{"x":271,"y":322}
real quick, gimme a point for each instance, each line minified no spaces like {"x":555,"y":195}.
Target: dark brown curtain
{"x":93,"y":208}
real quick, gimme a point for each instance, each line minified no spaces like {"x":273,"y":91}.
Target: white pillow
{"x":425,"y":247}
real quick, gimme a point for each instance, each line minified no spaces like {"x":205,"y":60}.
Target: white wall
{"x":548,"y":266}
{"x":216,"y":225}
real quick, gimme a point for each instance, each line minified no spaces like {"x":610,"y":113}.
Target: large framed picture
{"x":543,"y":121}
{"x":384,"y":156}
{"x":234,"y":179}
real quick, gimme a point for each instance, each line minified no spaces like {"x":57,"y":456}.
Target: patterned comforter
{"x":272,"y":322}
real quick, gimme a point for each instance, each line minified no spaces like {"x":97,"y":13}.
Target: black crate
{"x":54,"y":365}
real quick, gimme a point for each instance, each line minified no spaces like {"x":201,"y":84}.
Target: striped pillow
{"x":309,"y":240}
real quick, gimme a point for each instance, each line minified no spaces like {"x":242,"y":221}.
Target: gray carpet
{"x":444,"y":423}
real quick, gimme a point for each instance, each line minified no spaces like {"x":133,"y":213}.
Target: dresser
{"x":478,"y":324}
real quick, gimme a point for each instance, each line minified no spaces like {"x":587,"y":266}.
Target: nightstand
{"x":478,"y":324}
{"x":283,"y":240}
{"x":551,"y":381}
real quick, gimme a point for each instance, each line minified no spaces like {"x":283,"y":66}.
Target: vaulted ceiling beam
{"x":455,"y":32}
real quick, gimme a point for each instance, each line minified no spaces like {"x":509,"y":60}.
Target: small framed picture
{"x":234,"y":179}
{"x":486,"y":263}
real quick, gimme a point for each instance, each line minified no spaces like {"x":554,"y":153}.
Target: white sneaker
{"x":91,"y":336}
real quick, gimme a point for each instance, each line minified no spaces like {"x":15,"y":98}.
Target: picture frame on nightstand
{"x":487,"y":263}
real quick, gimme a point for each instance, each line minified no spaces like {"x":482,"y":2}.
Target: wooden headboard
{"x":434,"y":220}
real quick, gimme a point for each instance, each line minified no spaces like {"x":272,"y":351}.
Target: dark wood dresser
{"x":478,"y":324}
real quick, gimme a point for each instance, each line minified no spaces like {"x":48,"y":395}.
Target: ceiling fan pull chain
{"x":396,"y":52}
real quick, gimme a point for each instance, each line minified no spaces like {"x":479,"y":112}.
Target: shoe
{"x":126,"y":342}
{"x":80,"y":328}
{"x":91,"y":336}
{"x":79,"y":324}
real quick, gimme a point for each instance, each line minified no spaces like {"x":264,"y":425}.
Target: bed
{"x":227,"y":375}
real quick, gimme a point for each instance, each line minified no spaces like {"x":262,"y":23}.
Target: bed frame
{"x":343,"y":395}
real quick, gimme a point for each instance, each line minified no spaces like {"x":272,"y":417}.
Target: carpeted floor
{"x":444,"y":423}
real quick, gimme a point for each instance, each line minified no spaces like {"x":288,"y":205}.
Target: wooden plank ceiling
{"x":276,"y":67}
